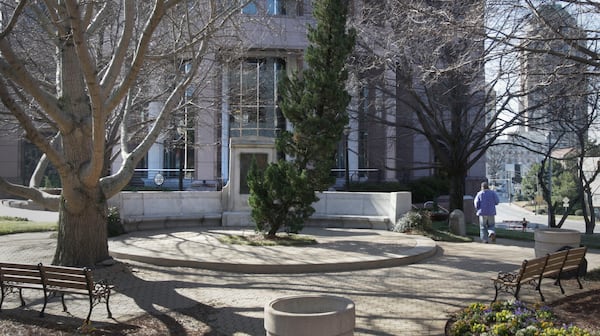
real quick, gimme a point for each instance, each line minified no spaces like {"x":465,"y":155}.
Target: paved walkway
{"x":409,"y":296}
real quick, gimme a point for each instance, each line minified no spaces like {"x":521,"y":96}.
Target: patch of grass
{"x":9,"y":225}
{"x":261,"y":240}
{"x":591,"y":241}
{"x":439,"y":232}
{"x":13,"y":219}
{"x":473,"y":230}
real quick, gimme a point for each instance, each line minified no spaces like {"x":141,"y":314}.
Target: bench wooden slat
{"x":57,"y":285}
{"x":20,"y":273}
{"x":574,"y":258}
{"x":16,"y":279}
{"x":19,"y":266}
{"x":555,"y":263}
{"x":66,"y":277}
{"x":63,"y":269}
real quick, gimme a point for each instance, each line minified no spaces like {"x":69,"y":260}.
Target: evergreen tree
{"x":315,"y":103}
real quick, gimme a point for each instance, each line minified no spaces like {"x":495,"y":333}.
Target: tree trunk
{"x":590,"y":224}
{"x":82,"y":237}
{"x":457,"y":192}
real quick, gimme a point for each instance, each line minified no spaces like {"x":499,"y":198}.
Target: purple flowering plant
{"x":508,"y":318}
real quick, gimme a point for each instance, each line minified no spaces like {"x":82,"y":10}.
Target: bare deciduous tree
{"x":433,"y":53}
{"x":72,"y":70}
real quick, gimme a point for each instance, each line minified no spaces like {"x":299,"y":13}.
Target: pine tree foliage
{"x":279,"y":198}
{"x":315,"y":102}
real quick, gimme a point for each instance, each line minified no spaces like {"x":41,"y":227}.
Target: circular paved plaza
{"x":412,"y":298}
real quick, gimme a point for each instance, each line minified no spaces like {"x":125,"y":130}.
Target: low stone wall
{"x":145,"y":210}
{"x":360,"y":209}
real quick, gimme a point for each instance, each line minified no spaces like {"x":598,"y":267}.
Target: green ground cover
{"x":259,"y":239}
{"x":591,"y":241}
{"x":10,"y":225}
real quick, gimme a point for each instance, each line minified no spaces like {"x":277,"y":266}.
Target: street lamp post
{"x":346,"y":159}
{"x":180,"y":145}
{"x":549,"y":179}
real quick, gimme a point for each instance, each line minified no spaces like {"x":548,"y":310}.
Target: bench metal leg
{"x":62,"y":299}
{"x":107,"y":307}
{"x":2,"y":299}
{"x":559,"y":284}
{"x":45,"y":304}
{"x":21,"y":297}
{"x":87,"y":319}
{"x":517,"y":290}
{"x":539,"y":289}
{"x":496,"y":295}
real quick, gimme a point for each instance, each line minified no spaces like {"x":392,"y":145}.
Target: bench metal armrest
{"x":507,"y":276}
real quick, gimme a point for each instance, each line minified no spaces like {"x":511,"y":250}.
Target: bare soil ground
{"x":581,"y":309}
{"x":185,"y":322}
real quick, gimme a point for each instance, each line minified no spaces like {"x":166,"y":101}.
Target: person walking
{"x":485,"y":204}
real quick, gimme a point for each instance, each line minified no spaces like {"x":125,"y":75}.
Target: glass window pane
{"x":254,"y":108}
{"x":282,"y":7}
{"x":272,"y":7}
{"x":250,"y":9}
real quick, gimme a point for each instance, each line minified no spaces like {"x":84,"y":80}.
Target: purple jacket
{"x":485,"y":202}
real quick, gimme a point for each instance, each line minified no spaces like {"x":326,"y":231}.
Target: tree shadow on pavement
{"x":166,"y":309}
{"x":142,"y":304}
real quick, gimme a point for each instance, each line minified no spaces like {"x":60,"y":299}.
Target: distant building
{"x":556,"y":87}
{"x":555,"y":104}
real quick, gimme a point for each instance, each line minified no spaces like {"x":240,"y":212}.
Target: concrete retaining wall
{"x":153,"y":209}
{"x":146,"y":210}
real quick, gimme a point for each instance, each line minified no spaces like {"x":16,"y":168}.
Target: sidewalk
{"x":413,"y":298}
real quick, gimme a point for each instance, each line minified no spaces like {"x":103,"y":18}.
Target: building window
{"x":363,"y":115}
{"x":273,"y":7}
{"x":250,"y":8}
{"x":253,"y":96}
{"x":179,"y":149}
{"x":282,"y":7}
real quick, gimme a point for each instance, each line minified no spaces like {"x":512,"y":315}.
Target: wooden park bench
{"x":533,"y":271}
{"x":53,"y":281}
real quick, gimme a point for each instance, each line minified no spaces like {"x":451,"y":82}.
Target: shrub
{"x":413,"y":221}
{"x":280,"y":197}
{"x":578,"y":212}
{"x":509,"y":318}
{"x":113,"y":222}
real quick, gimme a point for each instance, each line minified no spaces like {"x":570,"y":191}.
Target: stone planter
{"x":315,"y":315}
{"x":551,"y":239}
